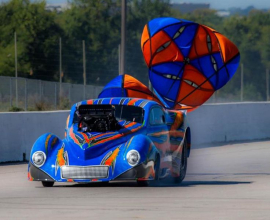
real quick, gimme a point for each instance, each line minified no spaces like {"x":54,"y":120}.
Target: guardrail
{"x":210,"y":124}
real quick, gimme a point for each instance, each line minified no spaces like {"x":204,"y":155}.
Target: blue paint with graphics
{"x":92,"y":148}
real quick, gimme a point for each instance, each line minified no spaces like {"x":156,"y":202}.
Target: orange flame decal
{"x":179,"y":118}
{"x":54,"y":142}
{"x":30,"y":178}
{"x":112,"y":158}
{"x":72,"y":135}
{"x":60,"y":157}
{"x":46,"y":142}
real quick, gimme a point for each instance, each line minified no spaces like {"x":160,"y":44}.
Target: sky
{"x":215,"y":4}
{"x":225,"y":4}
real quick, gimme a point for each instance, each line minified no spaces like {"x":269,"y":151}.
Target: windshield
{"x":129,"y":113}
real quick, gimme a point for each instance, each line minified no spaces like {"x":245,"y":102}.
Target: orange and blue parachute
{"x":127,"y":86}
{"x":191,"y":61}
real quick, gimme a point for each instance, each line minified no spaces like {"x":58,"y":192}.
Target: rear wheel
{"x":47,"y":183}
{"x":183,"y":164}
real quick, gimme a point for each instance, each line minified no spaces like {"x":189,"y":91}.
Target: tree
{"x":98,"y":23}
{"x":37,"y":34}
{"x":139,"y":13}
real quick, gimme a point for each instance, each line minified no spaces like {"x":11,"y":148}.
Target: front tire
{"x":47,"y":183}
{"x":183,"y":165}
{"x":144,"y":183}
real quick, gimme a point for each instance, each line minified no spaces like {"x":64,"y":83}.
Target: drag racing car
{"x":113,"y":139}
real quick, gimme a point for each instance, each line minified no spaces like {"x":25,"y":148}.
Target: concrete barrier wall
{"x":19,"y":131}
{"x":210,"y":124}
{"x":223,"y":123}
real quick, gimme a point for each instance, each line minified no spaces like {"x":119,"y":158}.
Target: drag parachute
{"x":127,"y":86}
{"x":190,"y":60}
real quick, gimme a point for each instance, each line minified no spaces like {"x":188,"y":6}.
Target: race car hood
{"x":88,"y":145}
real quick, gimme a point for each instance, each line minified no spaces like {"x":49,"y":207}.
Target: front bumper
{"x":143,"y":171}
{"x":36,"y":174}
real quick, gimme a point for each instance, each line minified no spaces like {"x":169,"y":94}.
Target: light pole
{"x":16,"y":68}
{"x":267,"y":84}
{"x":119,"y":59}
{"x":242,"y":82}
{"x":84,"y":69}
{"x":60,"y":68}
{"x":123,"y":36}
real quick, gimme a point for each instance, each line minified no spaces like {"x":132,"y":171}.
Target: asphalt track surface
{"x":223,"y":182}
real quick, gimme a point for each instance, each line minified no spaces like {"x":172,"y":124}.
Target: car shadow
{"x":211,"y":183}
{"x":188,"y":183}
{"x":157,"y":184}
{"x":13,"y":163}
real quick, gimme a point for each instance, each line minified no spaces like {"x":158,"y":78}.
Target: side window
{"x":156,"y":116}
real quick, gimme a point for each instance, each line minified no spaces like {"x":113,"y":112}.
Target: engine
{"x":99,"y":118}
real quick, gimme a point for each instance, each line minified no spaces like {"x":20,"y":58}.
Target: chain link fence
{"x":40,"y":73}
{"x":37,"y":95}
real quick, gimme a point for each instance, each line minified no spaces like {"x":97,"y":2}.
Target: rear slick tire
{"x":183,"y":165}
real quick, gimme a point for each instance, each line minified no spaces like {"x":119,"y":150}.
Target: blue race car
{"x":113,"y":139}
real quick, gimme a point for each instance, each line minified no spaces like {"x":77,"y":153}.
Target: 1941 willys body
{"x":114,"y":139}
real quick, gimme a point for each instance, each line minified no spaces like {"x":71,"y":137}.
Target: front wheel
{"x":47,"y":183}
{"x":144,"y":183}
{"x":183,"y":164}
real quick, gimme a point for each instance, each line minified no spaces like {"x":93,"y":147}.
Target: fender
{"x":46,"y":143}
{"x":144,"y":146}
{"x":148,"y":156}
